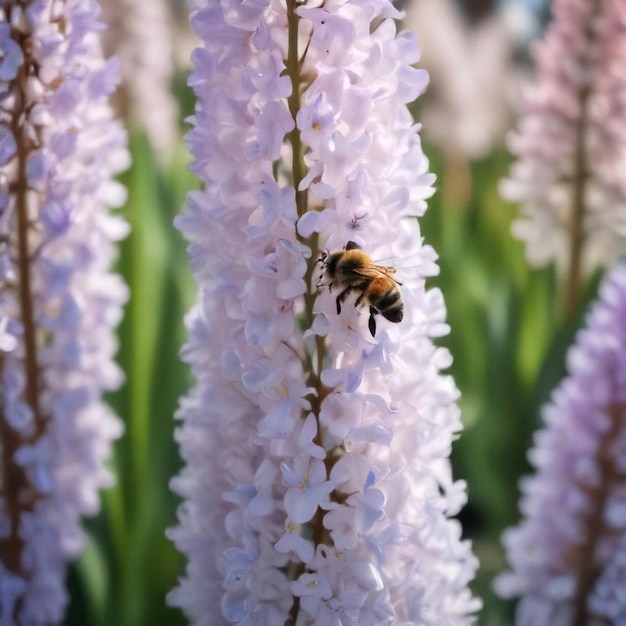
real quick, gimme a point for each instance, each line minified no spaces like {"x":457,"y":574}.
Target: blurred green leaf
{"x":93,"y":571}
{"x":509,"y":348}
{"x":129,"y":567}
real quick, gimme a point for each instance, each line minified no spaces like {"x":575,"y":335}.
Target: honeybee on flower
{"x":352,"y":270}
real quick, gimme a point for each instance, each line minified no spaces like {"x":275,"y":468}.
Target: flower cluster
{"x":317,"y":486}
{"x":59,"y":148}
{"x":570,"y":173}
{"x":568,"y":554}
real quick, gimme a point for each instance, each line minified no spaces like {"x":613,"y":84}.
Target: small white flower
{"x":307,"y":488}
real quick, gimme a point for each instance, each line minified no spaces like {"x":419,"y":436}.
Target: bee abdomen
{"x":390,"y":305}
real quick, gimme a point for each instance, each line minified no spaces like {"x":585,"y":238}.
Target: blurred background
{"x":507,"y":339}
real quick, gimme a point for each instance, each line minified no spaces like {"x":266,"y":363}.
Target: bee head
{"x":330,"y":263}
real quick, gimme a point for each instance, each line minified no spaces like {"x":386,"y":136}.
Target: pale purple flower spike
{"x":317,"y":486}
{"x":568,"y":555}
{"x":59,"y":150}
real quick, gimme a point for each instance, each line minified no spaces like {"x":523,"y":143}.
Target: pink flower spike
{"x":570,"y":174}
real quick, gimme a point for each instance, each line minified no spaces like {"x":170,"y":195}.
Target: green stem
{"x":298,"y":168}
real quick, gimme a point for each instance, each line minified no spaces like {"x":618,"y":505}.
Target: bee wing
{"x":375,"y":271}
{"x":387,"y":261}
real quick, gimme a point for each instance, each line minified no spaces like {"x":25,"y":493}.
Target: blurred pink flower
{"x":570,"y":172}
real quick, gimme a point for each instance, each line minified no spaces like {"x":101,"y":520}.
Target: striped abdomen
{"x":384,"y":296}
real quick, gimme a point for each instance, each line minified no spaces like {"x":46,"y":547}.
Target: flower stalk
{"x":579,"y":210}
{"x":595,"y":527}
{"x":13,"y":479}
{"x":293,"y":66}
{"x":16,"y":493}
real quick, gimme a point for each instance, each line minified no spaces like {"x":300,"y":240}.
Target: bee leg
{"x":341,"y":297}
{"x":372,"y":321}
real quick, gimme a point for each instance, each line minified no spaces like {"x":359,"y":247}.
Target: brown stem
{"x":595,"y":527}
{"x":24,"y":254}
{"x":294,"y":65}
{"x":17,"y":492}
{"x":577,"y":225}
{"x":13,"y":479}
{"x":297,"y":174}
{"x":579,"y":192}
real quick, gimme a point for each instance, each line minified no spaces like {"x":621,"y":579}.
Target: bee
{"x":352,"y":270}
